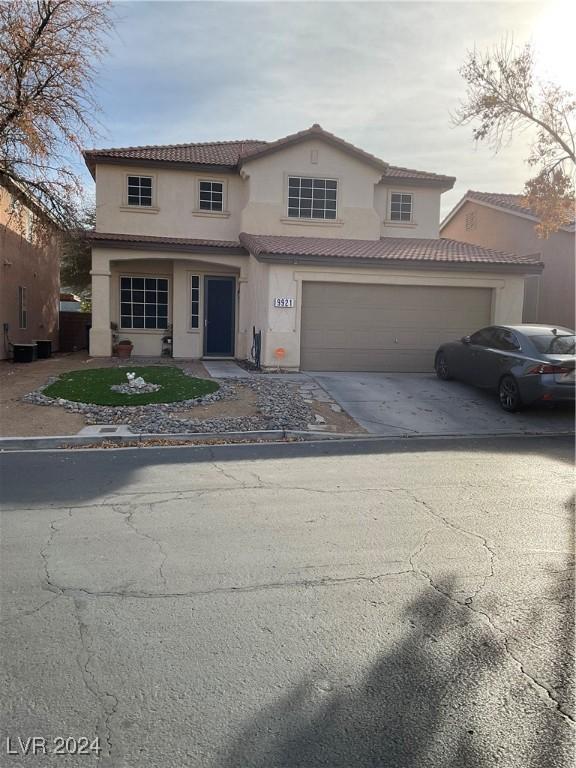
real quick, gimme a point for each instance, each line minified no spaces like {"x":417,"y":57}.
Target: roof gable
{"x":314,"y":132}
{"x":508,"y":203}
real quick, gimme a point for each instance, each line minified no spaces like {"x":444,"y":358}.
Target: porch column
{"x":244,"y":336}
{"x":100,"y":333}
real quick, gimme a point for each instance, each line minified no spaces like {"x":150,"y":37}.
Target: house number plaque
{"x":284,"y":302}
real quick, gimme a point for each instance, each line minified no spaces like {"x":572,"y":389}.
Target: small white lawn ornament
{"x":134,"y":385}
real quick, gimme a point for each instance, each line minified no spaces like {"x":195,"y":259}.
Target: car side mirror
{"x":465,"y":339}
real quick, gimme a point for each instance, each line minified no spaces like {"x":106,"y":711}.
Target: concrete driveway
{"x":421,"y":404}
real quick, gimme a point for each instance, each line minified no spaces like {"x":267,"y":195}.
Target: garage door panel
{"x":359,"y":327}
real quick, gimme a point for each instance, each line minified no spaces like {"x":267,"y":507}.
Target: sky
{"x":382,"y":75}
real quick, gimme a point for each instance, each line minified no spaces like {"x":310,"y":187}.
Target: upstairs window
{"x":400,"y":206}
{"x":140,"y":191}
{"x":312,"y":198}
{"x":211,"y":196}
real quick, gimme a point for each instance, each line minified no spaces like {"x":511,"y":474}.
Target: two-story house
{"x":30,"y":247}
{"x":333,"y":254}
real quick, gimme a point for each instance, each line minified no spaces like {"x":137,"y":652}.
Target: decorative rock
{"x":133,"y":387}
{"x":336,"y":408}
{"x":319,"y":419}
{"x":279,"y":403}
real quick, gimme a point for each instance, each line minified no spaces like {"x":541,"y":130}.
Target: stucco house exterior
{"x":503,"y":221}
{"x":29,"y":272}
{"x":333,"y":254}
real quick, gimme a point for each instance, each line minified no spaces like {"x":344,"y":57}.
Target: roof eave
{"x":413,"y":181}
{"x":390,"y":262}
{"x":92,"y":160}
{"x":146,"y":245}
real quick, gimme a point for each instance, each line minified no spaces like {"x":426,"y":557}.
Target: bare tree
{"x":504,"y":97}
{"x":48,"y":53}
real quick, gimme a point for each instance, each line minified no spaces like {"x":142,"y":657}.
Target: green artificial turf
{"x":93,"y":386}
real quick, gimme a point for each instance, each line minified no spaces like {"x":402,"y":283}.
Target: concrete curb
{"x":74,"y":441}
{"x":270,"y":436}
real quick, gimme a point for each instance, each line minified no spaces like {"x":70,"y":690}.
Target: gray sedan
{"x":524,"y":363}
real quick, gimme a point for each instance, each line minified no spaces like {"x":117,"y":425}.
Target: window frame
{"x":121,"y":315}
{"x":23,"y":307}
{"x":132,"y":206}
{"x":195,"y":290}
{"x":210,"y":211}
{"x":315,"y":219}
{"x":401,"y":221}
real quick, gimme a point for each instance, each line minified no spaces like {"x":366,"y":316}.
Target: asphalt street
{"x":392,"y":603}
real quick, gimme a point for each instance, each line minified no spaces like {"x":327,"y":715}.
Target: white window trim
{"x":200,"y":302}
{"x":141,"y":208}
{"x":150,"y":331}
{"x":297,"y":219}
{"x":390,"y":222}
{"x":224,"y":213}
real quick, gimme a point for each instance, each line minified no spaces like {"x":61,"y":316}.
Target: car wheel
{"x":509,"y":394}
{"x":441,"y":367}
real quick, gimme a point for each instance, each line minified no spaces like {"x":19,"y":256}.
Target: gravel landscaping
{"x":279,"y":406}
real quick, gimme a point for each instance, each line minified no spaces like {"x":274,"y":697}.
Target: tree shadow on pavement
{"x":432,"y":701}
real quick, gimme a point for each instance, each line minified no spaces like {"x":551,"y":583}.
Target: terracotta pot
{"x":125,"y":350}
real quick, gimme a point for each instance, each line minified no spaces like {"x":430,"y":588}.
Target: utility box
{"x":44,"y":348}
{"x":25,"y":353}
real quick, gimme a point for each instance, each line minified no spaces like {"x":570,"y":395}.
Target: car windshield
{"x":554,"y":344}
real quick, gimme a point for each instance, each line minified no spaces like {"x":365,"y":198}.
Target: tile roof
{"x":229,"y":155}
{"x":385,"y":249}
{"x":179,"y":242}
{"x":226,"y":153}
{"x":396,"y":172}
{"x":513,"y":203}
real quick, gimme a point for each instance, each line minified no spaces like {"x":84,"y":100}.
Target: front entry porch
{"x":144,"y":299}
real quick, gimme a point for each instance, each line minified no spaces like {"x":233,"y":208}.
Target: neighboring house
{"x":29,"y":271}
{"x":333,"y":254}
{"x":502,"y":221}
{"x":69,"y":302}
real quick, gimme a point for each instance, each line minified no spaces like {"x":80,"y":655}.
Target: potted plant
{"x":125,"y":348}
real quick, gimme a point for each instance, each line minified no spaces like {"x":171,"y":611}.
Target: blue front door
{"x":219,"y":304}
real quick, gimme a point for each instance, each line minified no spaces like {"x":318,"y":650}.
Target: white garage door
{"x":351,"y":327}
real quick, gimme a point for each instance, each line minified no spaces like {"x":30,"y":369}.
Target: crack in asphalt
{"x":540,"y":686}
{"x":128,"y":515}
{"x":453,"y":526}
{"x":107,"y":701}
{"x":72,"y":591}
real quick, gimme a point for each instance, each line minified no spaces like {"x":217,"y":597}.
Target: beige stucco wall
{"x":256,"y":201}
{"x":34,"y":265}
{"x":425,"y":212}
{"x":266,"y":210}
{"x":174,"y":212}
{"x":553,"y":300}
